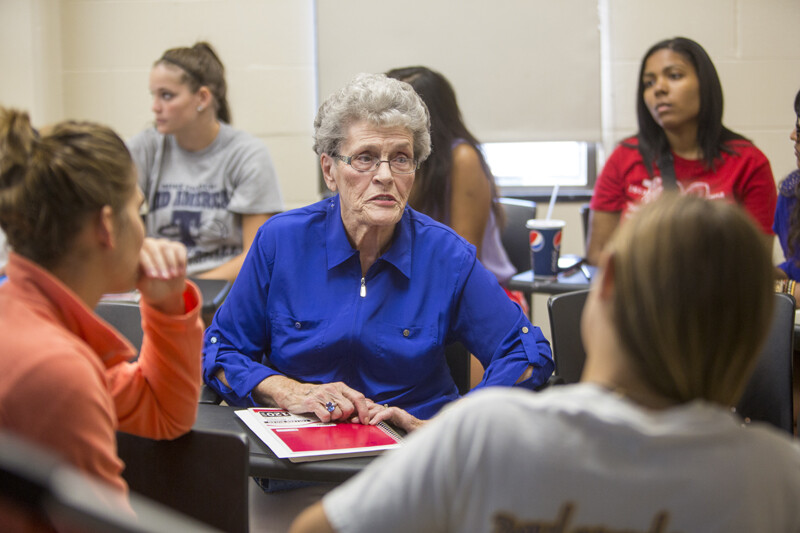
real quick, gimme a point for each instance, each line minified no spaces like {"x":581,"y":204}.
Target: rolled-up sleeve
{"x":156,"y":396}
{"x":239,"y":335}
{"x":499,"y":334}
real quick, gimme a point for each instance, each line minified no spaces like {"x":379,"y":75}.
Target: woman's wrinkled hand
{"x":162,"y":275}
{"x":330,"y":402}
{"x":395,"y":416}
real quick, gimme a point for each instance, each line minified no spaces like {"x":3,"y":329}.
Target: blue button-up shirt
{"x":300,"y":308}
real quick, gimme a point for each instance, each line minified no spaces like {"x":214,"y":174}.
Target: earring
{"x":199,"y":109}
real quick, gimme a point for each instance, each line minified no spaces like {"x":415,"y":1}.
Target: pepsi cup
{"x":545,"y":241}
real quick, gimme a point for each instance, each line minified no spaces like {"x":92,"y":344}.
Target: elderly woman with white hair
{"x":343,"y":308}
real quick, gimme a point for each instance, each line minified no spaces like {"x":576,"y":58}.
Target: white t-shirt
{"x":577,"y":458}
{"x":199,"y":198}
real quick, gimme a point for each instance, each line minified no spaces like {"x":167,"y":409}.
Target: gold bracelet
{"x":780,"y":285}
{"x":790,"y":287}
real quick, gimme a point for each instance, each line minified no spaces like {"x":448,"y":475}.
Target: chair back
{"x":458,"y":360}
{"x":565,"y":334}
{"x":515,"y":235}
{"x":214,"y":292}
{"x":203,"y":474}
{"x":41,"y":486}
{"x":125,"y":317}
{"x":585,"y":210}
{"x":768,"y":394}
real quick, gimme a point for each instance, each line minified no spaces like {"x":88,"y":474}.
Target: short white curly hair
{"x":379,"y":100}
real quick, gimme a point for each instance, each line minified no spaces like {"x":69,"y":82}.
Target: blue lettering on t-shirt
{"x":202,"y":199}
{"x":161,"y":200}
{"x":185,"y":227}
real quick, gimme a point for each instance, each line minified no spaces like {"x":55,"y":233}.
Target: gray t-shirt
{"x":576,"y":458}
{"x":198,"y":197}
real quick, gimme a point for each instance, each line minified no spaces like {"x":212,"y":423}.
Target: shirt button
{"x":213,"y":340}
{"x":524,"y":329}
{"x":297,"y":325}
{"x":406,"y":333}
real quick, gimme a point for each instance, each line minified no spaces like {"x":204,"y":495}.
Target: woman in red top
{"x":679,"y":111}
{"x":70,"y":207}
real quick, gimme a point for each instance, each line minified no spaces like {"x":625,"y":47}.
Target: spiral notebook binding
{"x":390,"y":430}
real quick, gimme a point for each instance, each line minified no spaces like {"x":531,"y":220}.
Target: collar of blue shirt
{"x":339,"y":248}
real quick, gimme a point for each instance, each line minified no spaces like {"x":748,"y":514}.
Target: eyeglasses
{"x":367,"y":163}
{"x":797,"y":127}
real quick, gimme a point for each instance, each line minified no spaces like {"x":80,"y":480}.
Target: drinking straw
{"x":552,"y":202}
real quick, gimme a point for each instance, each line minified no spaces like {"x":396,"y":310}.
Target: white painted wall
{"x":522,"y":70}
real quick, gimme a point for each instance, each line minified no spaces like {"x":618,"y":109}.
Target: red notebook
{"x":302,"y":438}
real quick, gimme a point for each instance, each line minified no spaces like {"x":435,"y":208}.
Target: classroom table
{"x":528,"y":284}
{"x":572,"y":277}
{"x":264,"y":463}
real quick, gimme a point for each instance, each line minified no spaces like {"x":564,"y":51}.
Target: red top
{"x":65,"y":380}
{"x":744,"y":177}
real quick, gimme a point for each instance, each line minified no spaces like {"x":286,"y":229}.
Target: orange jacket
{"x":66,"y":382}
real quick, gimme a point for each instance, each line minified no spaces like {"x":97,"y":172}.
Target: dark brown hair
{"x":50,"y":184}
{"x":712,"y":135}
{"x":429,"y":194}
{"x":202,"y":68}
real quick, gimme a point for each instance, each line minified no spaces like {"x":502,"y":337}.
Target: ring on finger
{"x":330,"y":406}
